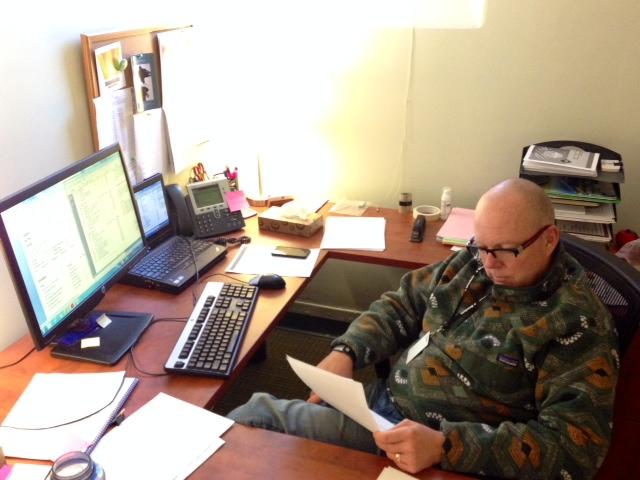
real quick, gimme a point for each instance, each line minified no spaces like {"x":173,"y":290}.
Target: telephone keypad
{"x":217,"y":222}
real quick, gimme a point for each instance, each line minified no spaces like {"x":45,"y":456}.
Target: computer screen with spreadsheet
{"x":68,"y":238}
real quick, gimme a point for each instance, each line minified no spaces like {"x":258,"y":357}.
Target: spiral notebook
{"x":53,"y":399}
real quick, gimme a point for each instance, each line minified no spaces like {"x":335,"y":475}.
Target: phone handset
{"x":210,"y":213}
{"x":178,"y":210}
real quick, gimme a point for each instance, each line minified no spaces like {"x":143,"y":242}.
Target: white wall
{"x":364,"y":113}
{"x":538,"y":70}
{"x":44,"y":120}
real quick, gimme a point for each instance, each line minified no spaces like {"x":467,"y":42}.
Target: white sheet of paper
{"x":104,"y":121}
{"x":166,"y":439}
{"x":184,"y":98}
{"x":90,"y":342}
{"x":390,"y":473}
{"x":257,"y":259}
{"x":342,"y":393}
{"x":150,"y":142}
{"x":419,"y":346}
{"x":56,"y":398}
{"x":354,"y":233}
{"x":103,"y":321}
{"x":114,"y":122}
{"x":27,"y":471}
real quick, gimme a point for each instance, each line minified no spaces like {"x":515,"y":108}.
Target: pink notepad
{"x":458,"y":228}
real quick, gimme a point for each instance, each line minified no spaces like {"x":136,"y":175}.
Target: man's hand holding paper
{"x":340,"y":392}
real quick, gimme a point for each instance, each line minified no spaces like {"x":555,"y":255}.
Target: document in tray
{"x":354,"y":233}
{"x":342,"y":393}
{"x":166,"y":439}
{"x":56,"y":398}
{"x":257,"y":259}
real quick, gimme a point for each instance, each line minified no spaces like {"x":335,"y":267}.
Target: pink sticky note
{"x":236,"y":200}
{"x":5,"y":470}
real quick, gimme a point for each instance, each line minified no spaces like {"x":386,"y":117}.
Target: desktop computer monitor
{"x":67,"y":239}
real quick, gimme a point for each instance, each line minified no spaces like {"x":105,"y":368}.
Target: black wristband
{"x":344,"y":348}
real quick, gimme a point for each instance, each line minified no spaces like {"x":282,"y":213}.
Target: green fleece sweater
{"x":521,"y":381}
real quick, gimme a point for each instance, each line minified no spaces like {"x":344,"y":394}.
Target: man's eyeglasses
{"x":504,"y":254}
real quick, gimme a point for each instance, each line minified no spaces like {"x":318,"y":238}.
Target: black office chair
{"x":615,"y":282}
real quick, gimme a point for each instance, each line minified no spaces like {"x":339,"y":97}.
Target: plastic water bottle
{"x":445,"y":203}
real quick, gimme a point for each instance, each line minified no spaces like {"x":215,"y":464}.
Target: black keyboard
{"x":164,"y":259}
{"x":212,"y":337}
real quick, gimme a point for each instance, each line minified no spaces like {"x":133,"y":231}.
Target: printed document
{"x":344,"y":394}
{"x":166,"y":439}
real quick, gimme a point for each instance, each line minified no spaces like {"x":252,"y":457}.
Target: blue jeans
{"x":317,"y":422}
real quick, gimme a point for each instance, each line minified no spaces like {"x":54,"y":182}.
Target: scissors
{"x":198,"y":173}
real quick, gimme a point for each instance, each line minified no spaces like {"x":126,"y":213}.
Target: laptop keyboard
{"x":164,"y":259}
{"x":212,"y":337}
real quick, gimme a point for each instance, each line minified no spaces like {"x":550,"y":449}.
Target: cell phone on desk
{"x":291,"y":252}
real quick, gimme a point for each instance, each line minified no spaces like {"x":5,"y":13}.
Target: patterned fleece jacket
{"x":520,"y":381}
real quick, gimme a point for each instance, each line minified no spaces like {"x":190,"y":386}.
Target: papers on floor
{"x":166,"y":439}
{"x":357,"y":233}
{"x":458,"y":228}
{"x":56,"y":398}
{"x":342,"y":393}
{"x":257,"y":259}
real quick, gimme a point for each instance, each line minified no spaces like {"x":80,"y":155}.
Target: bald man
{"x":517,"y":362}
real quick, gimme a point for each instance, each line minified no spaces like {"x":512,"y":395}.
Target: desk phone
{"x":209,"y":210}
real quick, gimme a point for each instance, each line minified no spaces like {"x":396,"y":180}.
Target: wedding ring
{"x":397,"y":458}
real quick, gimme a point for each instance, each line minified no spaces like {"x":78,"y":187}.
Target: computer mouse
{"x":269,"y":281}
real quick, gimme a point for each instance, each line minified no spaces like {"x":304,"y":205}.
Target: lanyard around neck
{"x":466,"y":312}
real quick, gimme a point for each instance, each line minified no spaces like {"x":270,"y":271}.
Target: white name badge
{"x":418,"y":347}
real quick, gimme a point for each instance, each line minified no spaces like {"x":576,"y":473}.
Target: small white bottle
{"x":445,"y":203}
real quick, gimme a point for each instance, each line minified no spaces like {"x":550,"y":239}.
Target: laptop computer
{"x":169,"y":263}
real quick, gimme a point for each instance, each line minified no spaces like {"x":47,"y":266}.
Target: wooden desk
{"x":289,"y":455}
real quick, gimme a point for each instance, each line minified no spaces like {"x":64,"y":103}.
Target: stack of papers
{"x":567,"y":160}
{"x":257,"y":259}
{"x":458,"y":228}
{"x":591,"y":231}
{"x":62,"y":398}
{"x":354,"y":233}
{"x":166,"y":439}
{"x":602,"y":214}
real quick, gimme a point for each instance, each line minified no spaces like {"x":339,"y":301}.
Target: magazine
{"x":567,"y":160}
{"x":581,"y":189}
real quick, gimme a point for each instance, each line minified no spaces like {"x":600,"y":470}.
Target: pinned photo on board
{"x":145,"y":81}
{"x":110,"y":67}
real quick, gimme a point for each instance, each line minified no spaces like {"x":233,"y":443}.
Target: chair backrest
{"x":614,"y":281}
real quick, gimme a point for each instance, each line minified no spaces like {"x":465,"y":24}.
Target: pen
{"x":119,"y":418}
